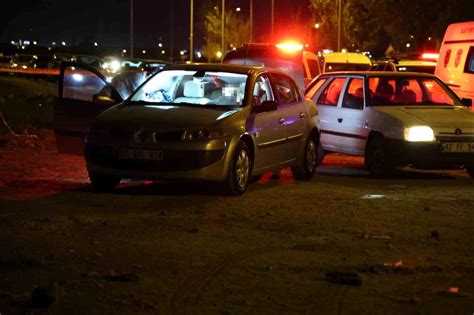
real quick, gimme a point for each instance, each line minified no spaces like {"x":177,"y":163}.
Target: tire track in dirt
{"x":190,"y":289}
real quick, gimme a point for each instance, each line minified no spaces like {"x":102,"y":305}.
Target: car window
{"x":285,"y":89}
{"x":313,"y":67}
{"x":469,"y":68}
{"x":354,"y":97}
{"x":330,"y":95}
{"x":315,"y":87}
{"x":435,"y":93}
{"x":262,"y":90}
{"x":408,"y":91}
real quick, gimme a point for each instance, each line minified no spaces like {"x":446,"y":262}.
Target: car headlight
{"x":419,"y":134}
{"x":202,"y":134}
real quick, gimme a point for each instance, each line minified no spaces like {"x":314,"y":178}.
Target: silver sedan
{"x":219,"y":123}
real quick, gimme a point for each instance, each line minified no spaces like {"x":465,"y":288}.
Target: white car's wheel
{"x":377,"y":159}
{"x":103,"y":183}
{"x":239,"y":171}
{"x":308,"y":162}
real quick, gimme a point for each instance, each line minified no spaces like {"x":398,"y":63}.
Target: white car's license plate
{"x":457,"y":147}
{"x":140,"y":154}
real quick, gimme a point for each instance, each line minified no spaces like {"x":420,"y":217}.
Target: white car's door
{"x":351,"y":117}
{"x":331,"y":137}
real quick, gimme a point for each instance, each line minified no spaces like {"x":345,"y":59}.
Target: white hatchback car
{"x":394,"y":119}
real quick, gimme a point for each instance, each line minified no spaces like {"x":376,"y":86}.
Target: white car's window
{"x":354,"y":97}
{"x":330,"y":95}
{"x":193,"y":87}
{"x":319,"y":82}
{"x":262,"y":90}
{"x":397,"y":91}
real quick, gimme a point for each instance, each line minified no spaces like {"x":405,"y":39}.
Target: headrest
{"x":193,"y":89}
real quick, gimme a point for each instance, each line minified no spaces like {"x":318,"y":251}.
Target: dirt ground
{"x":338,"y":244}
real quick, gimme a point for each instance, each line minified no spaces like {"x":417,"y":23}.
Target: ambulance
{"x":455,"y":64}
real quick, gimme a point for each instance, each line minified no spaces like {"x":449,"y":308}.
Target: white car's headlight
{"x":202,"y":134}
{"x":419,"y":134}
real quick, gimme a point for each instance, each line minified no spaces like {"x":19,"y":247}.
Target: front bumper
{"x":208,"y":161}
{"x":428,"y":155}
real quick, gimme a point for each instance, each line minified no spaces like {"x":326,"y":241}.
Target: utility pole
{"x":339,"y":25}
{"x":223,"y":29}
{"x":131,"y":28}
{"x":273,"y":16}
{"x":191,"y":22}
{"x":251,"y":20}
{"x":171,"y":31}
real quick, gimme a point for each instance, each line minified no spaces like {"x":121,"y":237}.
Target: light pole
{"x":339,"y":24}
{"x":191,"y":22}
{"x":131,"y":28}
{"x":273,"y":15}
{"x":251,"y":20}
{"x":223,"y":28}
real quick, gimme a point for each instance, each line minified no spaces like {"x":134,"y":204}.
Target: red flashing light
{"x":290,"y":46}
{"x":430,"y":56}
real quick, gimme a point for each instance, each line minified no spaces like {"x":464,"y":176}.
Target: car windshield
{"x":193,"y":87}
{"x":403,"y":90}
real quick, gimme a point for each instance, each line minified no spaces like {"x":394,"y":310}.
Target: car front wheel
{"x":103,"y":183}
{"x":239,"y":171}
{"x":377,"y":159}
{"x":307,"y":166}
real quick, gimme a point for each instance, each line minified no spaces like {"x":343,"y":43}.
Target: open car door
{"x":83,"y":94}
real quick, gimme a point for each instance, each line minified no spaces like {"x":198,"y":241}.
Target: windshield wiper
{"x":142,"y":102}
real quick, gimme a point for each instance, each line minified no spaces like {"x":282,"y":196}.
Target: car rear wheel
{"x":103,"y":183}
{"x":470,"y":170}
{"x":377,"y":159}
{"x":239,"y":171}
{"x":307,"y":166}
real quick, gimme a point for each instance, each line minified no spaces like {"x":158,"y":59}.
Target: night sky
{"x":107,"y":21}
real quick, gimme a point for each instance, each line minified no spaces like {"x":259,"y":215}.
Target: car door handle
{"x":339,"y":120}
{"x":301,"y":115}
{"x":281,"y":121}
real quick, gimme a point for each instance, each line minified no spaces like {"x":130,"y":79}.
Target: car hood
{"x":435,"y":116}
{"x":165,"y":117}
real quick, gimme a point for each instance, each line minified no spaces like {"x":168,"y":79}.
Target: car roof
{"x":224,"y":67}
{"x":369,"y":74}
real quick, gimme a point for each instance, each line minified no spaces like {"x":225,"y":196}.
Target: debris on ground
{"x":347,"y":278}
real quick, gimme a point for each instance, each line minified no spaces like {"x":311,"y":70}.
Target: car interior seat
{"x":193,"y":93}
{"x":383,"y":94}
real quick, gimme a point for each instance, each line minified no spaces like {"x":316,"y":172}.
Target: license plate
{"x":140,"y":154}
{"x":457,"y":147}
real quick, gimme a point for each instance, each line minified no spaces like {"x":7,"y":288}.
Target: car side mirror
{"x":466,"y":102}
{"x":266,"y":106}
{"x":103,"y":100}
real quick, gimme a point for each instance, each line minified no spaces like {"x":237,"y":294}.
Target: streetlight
{"x":251,"y":20}
{"x":131,"y":28}
{"x":273,"y":16}
{"x":223,"y":27}
{"x":191,"y":14}
{"x":339,"y":25}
